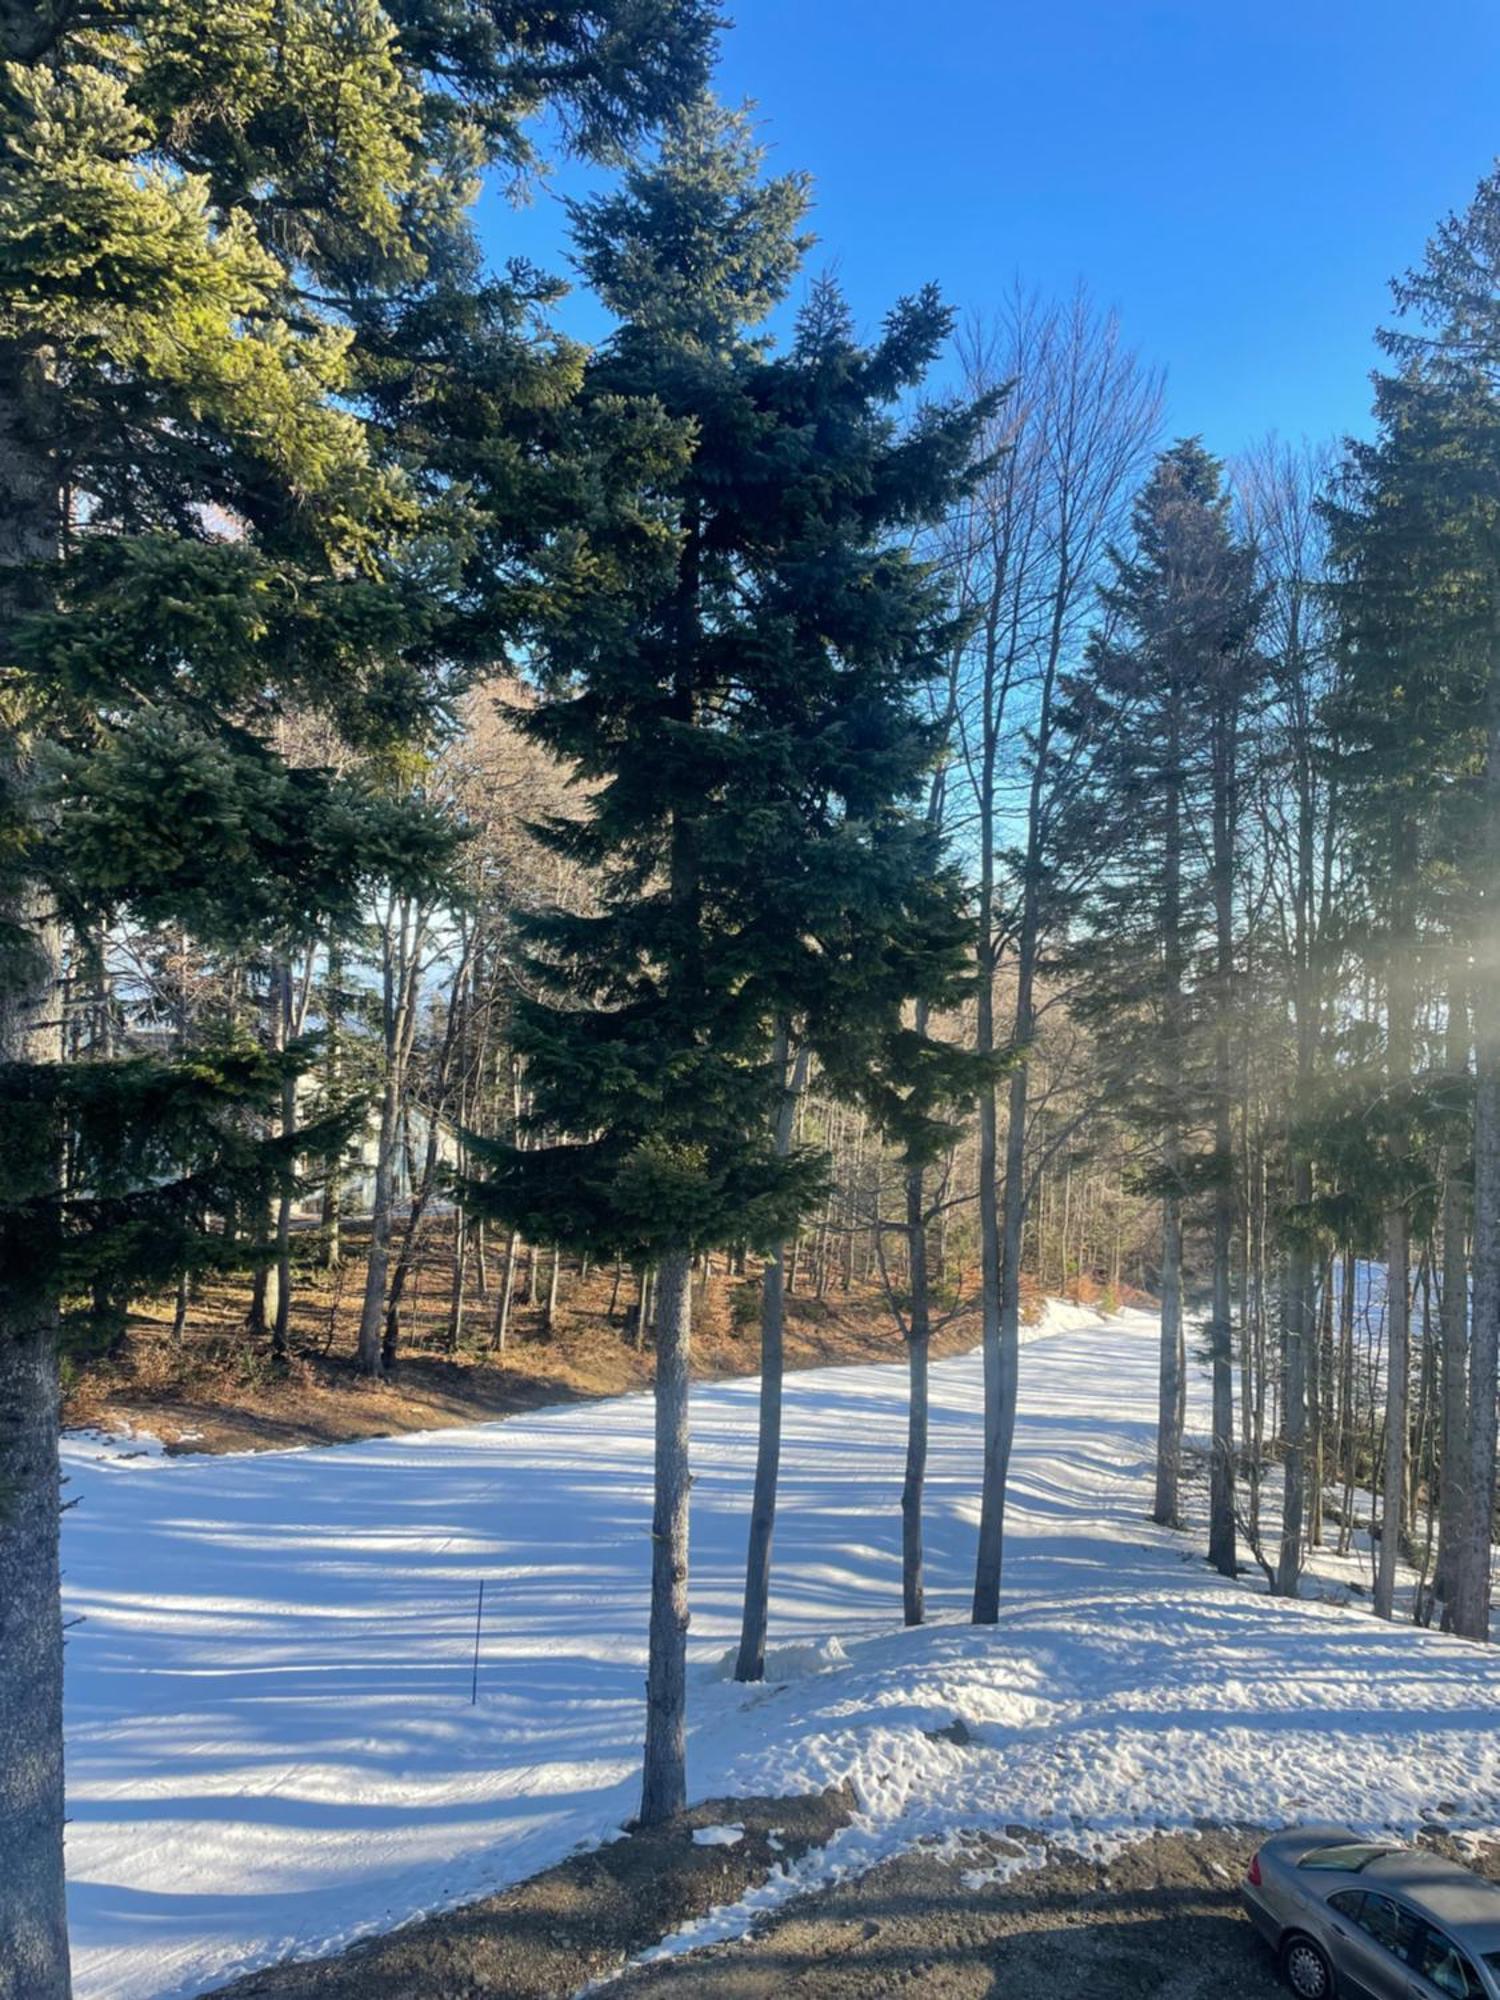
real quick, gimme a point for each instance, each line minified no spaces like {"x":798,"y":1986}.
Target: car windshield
{"x":1349,"y":1858}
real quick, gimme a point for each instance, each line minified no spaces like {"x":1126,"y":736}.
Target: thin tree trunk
{"x":986,"y":1609}
{"x":331,"y":1248}
{"x":1172,"y":1371}
{"x":918,"y":1349}
{"x":1472,"y":1608}
{"x":1221,"y":1528}
{"x":1399,"y":1004}
{"x":549,"y":1311}
{"x":751,"y":1664}
{"x":507,"y":1290}
{"x":1167,"y":1510}
{"x":282,"y":1003}
{"x":1454,"y":1310}
{"x":460,"y":1275}
{"x":664,"y":1776}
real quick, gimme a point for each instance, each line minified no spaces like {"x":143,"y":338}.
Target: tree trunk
{"x":549,"y":1311}
{"x":1171,"y":1398}
{"x":33,"y":1909}
{"x":1453,"y":1449}
{"x":1167,"y":1512}
{"x":373,"y":1308}
{"x":918,"y":1346}
{"x":33,"y":1903}
{"x":751,"y":1664}
{"x":507,"y":1290}
{"x":331,"y":1249}
{"x":664,"y":1778}
{"x":281,"y":1002}
{"x":1472,"y":1608}
{"x":1299,"y":1330}
{"x":1221,"y":1530}
{"x":460,"y":1277}
{"x":1399,"y":1005}
{"x":986,"y":1608}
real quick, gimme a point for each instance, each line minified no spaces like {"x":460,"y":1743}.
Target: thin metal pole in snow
{"x":478,"y":1625}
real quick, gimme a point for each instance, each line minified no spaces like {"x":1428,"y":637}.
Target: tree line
{"x":714,"y":793}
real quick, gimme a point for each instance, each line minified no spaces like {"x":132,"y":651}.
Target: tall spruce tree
{"x":738,"y":700}
{"x":1451,"y":333}
{"x":201,"y":528}
{"x":1162,"y":701}
{"x":1412,"y":524}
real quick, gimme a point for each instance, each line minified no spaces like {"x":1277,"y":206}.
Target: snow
{"x":718,"y":1836}
{"x":273,"y":1748}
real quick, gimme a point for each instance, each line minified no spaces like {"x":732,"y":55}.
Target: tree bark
{"x":1221,"y":1530}
{"x":1167,"y":1511}
{"x":664,"y":1777}
{"x":1399,"y":1006}
{"x":33,"y":1905}
{"x":918,"y":1349}
{"x":1171,"y":1400}
{"x":372,"y":1309}
{"x":1454,"y":1416}
{"x":33,"y":1894}
{"x":507,"y":1289}
{"x":751,"y":1664}
{"x":281,"y":1002}
{"x":986,"y":1608}
{"x":331,"y":1249}
{"x":1472,"y":1607}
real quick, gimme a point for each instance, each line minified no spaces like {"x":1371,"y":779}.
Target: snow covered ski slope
{"x":273,"y":1749}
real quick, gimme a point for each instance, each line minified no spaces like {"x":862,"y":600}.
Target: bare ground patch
{"x":1161,"y":1920}
{"x":216,"y":1388}
{"x":545,"y":1938}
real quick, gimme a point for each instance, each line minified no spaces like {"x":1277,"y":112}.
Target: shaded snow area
{"x":273,"y":1749}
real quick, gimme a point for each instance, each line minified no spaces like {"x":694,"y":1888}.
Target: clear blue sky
{"x":1239,"y":178}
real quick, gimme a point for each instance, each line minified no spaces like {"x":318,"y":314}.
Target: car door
{"x":1374,"y":1939}
{"x":1441,"y":1969}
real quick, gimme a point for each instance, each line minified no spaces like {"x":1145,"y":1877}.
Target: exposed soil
{"x":216,"y":1389}
{"x":549,"y":1936}
{"x":1160,"y":1922}
{"x":1162,"y":1919}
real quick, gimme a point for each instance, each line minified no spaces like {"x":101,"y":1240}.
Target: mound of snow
{"x":787,"y":1663}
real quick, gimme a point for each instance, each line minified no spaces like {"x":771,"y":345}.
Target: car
{"x":1356,"y":1919}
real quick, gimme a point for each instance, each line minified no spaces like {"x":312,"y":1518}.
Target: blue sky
{"x":1238,"y":180}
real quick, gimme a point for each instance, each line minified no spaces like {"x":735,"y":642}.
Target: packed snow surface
{"x":272,"y":1745}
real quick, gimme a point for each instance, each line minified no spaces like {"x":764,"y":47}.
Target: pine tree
{"x":201,"y":529}
{"x":737,"y":697}
{"x":1161,"y":704}
{"x":1452,"y":334}
{"x":1413,"y":525}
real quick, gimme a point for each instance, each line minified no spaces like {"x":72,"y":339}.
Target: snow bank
{"x":273,"y":1749}
{"x":787,"y":1663}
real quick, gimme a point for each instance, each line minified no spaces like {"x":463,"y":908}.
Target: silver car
{"x":1354,"y":1919}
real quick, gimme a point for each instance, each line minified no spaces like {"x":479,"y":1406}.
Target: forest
{"x":753,"y":802}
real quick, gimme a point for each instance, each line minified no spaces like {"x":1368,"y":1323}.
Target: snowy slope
{"x":272,"y":1747}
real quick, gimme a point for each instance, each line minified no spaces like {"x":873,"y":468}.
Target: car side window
{"x":1439,"y":1959}
{"x":1347,"y":1903}
{"x":1389,"y":1925}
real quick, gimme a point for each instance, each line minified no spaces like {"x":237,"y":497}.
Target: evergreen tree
{"x":1451,"y":334}
{"x":1162,"y":704}
{"x":1413,"y":526}
{"x":202,"y":529}
{"x":737,"y":697}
